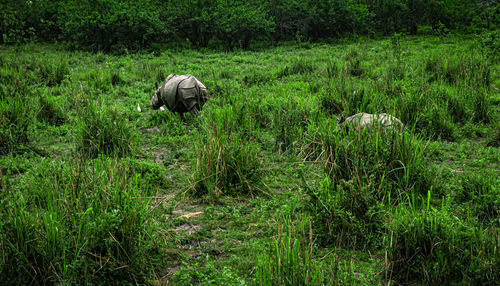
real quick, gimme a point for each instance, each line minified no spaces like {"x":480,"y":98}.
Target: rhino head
{"x":156,"y":99}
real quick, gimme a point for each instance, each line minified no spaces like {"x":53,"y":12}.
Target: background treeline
{"x":112,"y":24}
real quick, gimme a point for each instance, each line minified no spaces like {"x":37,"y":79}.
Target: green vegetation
{"x":121,"y":26}
{"x":264,"y":187}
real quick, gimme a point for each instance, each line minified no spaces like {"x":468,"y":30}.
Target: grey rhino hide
{"x":363,"y":120}
{"x":181,"y":93}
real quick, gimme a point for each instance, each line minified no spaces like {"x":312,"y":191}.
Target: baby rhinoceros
{"x":363,"y":120}
{"x":180,"y":93}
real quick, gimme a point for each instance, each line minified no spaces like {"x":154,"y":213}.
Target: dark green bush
{"x":112,"y":25}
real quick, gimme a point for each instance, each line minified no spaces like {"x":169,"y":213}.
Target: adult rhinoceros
{"x":180,"y":93}
{"x":363,"y":120}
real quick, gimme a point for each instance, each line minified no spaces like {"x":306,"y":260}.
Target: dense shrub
{"x":107,"y":24}
{"x":118,"y":25}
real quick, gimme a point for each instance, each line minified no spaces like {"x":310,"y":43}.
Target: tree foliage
{"x":112,"y":24}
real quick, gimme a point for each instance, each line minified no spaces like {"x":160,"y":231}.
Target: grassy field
{"x":263,"y":188}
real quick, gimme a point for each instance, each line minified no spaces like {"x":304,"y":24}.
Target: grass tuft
{"x":104,"y":130}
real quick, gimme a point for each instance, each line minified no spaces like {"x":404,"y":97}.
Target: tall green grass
{"x":50,"y":110}
{"x":391,"y":161}
{"x":77,"y":222}
{"x":15,"y":121}
{"x":80,"y":211}
{"x":103,"y":130}
{"x":226,"y":162}
{"x":429,"y":246}
{"x":291,"y":261}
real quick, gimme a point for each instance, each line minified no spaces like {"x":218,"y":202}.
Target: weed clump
{"x":346,"y":215}
{"x":226,"y":163}
{"x":296,"y":66}
{"x":391,"y":161}
{"x":207,"y":274}
{"x":290,"y":121}
{"x":353,"y":65}
{"x":103,"y":130}
{"x":434,"y":247}
{"x":494,"y":139}
{"x":291,"y":262}
{"x":330,"y":103}
{"x":480,"y":193}
{"x":62,"y":220}
{"x":15,"y":120}
{"x":50,"y":112}
{"x":53,"y":74}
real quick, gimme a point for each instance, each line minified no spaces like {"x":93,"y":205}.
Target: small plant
{"x":226,"y":164}
{"x":330,"y":104}
{"x":481,"y":106}
{"x":437,"y":123}
{"x":346,"y":215}
{"x":457,"y":108}
{"x":53,"y":74}
{"x":290,"y":121}
{"x":494,"y":139}
{"x":166,"y":122}
{"x":115,"y":78}
{"x":207,"y":274}
{"x":332,"y":69}
{"x":256,"y":77}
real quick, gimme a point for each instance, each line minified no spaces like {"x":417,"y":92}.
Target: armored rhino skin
{"x":180,"y":93}
{"x":363,"y":120}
